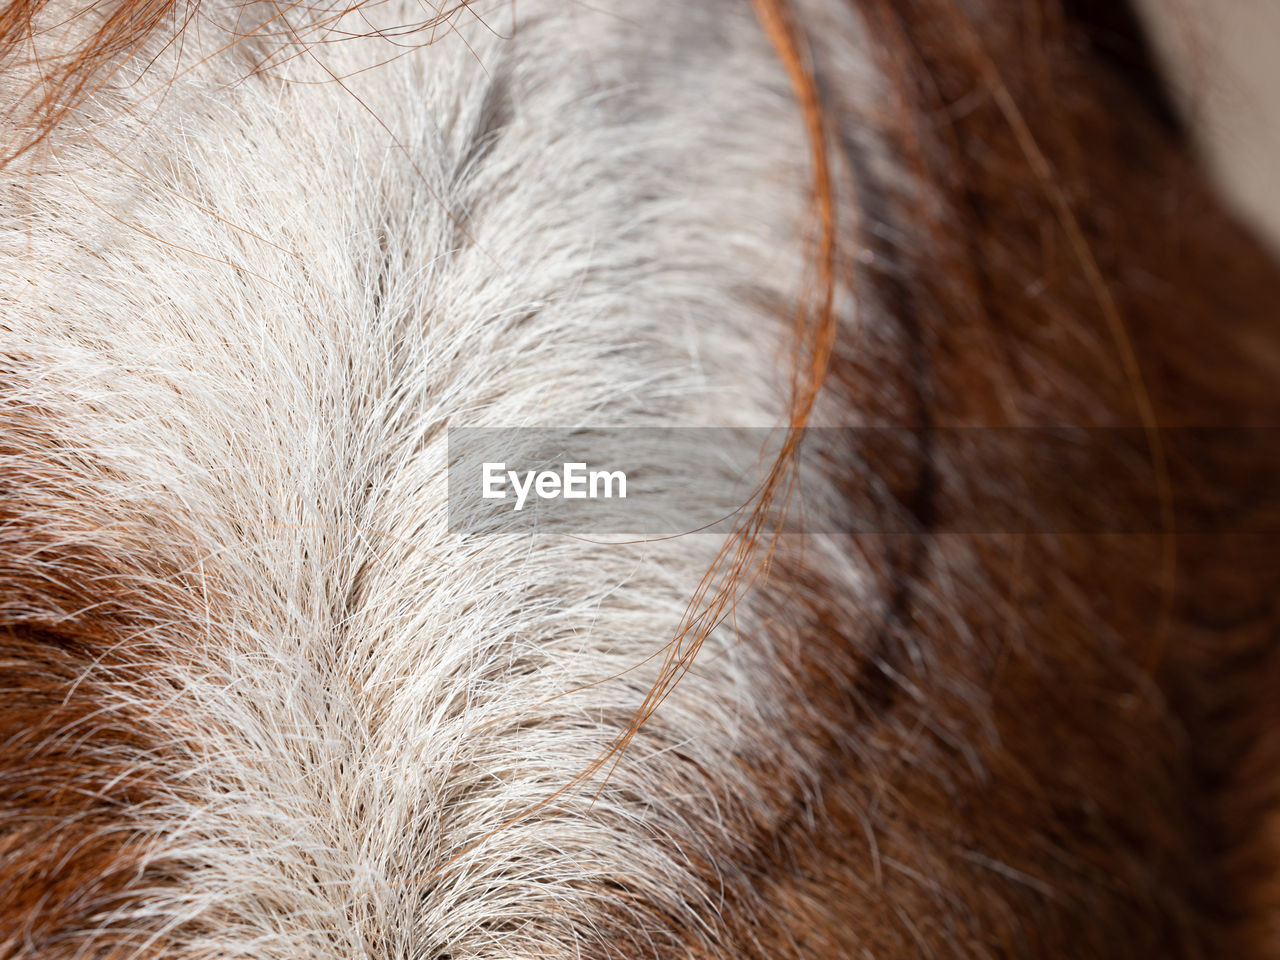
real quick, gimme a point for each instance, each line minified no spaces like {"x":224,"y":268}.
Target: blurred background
{"x":1223,"y":58}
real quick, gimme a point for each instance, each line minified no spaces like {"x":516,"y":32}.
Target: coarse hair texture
{"x":258,"y":702}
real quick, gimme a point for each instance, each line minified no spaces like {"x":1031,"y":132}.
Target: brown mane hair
{"x":1063,"y":744}
{"x":110,"y":34}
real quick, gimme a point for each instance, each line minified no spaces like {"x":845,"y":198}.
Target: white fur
{"x":259,"y":300}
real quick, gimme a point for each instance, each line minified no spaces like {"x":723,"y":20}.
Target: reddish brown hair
{"x":1046,"y":746}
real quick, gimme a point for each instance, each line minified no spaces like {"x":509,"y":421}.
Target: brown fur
{"x":1037,"y":746}
{"x":86,"y":718}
